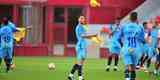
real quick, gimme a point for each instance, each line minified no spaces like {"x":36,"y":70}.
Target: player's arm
{"x":24,"y":29}
{"x":120,"y":37}
{"x":148,"y":38}
{"x":142,"y":35}
{"x":85,"y":35}
{"x":111,"y":30}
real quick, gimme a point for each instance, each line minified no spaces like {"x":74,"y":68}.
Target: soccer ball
{"x":51,"y":66}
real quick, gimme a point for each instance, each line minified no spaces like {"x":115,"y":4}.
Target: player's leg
{"x":81,"y":63}
{"x":132,"y":72}
{"x":80,"y":70}
{"x":148,"y":62}
{"x":75,"y":66}
{"x":8,"y":58}
{"x":8,"y":63}
{"x":1,"y":56}
{"x":144,"y":61}
{"x":0,"y":61}
{"x":126,"y":72}
{"x":109,"y":62}
{"x":73,"y":70}
{"x":157,"y":65}
{"x":116,"y":61}
{"x":134,"y":61}
{"x":140,"y":62}
{"x":127,"y":61}
{"x":78,"y":66}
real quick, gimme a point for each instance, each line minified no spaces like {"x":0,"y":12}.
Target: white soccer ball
{"x":51,"y":66}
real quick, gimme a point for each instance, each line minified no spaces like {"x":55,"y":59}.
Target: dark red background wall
{"x":109,"y":10}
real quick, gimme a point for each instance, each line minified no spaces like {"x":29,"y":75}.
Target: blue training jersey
{"x":154,"y":37}
{"x":6,"y":33}
{"x":115,"y":42}
{"x":115,"y":32}
{"x":12,"y":25}
{"x":133,"y":35}
{"x":80,"y":30}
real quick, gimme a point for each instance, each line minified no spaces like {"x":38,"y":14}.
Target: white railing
{"x":148,"y":10}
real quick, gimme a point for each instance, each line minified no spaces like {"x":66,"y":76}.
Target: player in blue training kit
{"x":149,"y":46}
{"x":115,"y":45}
{"x":145,"y":46}
{"x":157,"y":41}
{"x":6,"y":33}
{"x":80,"y":48}
{"x":132,"y":34}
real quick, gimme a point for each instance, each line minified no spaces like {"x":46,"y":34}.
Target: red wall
{"x":68,"y":2}
{"x":29,"y":50}
{"x":102,"y":15}
{"x":109,"y":10}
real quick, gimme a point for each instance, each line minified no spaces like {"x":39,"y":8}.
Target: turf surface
{"x":36,"y":68}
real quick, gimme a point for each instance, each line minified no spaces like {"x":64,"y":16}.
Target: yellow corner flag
{"x":19,"y":34}
{"x":94,"y":3}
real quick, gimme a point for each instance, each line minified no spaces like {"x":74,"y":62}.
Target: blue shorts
{"x":7,"y":52}
{"x":80,"y":53}
{"x":151,"y":52}
{"x":1,"y":53}
{"x":131,"y":58}
{"x":145,"y":49}
{"x":115,"y":47}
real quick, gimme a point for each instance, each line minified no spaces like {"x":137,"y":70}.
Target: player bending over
{"x":6,"y":33}
{"x":6,"y":42}
{"x":132,"y":34}
{"x":115,"y":45}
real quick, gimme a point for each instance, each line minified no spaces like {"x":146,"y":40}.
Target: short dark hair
{"x":82,"y":15}
{"x":134,"y":16}
{"x":144,"y":23}
{"x":5,"y":20}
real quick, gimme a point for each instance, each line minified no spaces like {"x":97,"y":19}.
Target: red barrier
{"x":27,"y":50}
{"x":104,"y":52}
{"x":70,"y":51}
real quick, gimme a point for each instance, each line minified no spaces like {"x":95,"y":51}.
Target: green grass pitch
{"x":36,"y":68}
